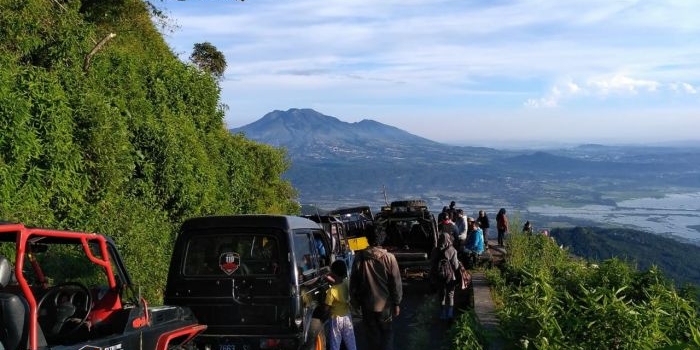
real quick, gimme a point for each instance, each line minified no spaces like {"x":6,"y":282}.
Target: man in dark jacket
{"x":484,"y":224}
{"x":375,"y":284}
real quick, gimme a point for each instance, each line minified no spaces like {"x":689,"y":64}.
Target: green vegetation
{"x":467,"y":333}
{"x":553,"y":301}
{"x":677,"y":260}
{"x":103,"y":129}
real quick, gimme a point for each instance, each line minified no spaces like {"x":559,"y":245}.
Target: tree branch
{"x":86,"y":64}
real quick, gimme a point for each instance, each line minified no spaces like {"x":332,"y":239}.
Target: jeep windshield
{"x":239,"y":254}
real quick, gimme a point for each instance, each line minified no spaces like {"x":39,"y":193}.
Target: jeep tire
{"x":316,"y":339}
{"x":410,"y":204}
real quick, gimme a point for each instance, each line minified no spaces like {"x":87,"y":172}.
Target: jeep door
{"x":236,"y":281}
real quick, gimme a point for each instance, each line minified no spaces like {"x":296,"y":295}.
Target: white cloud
{"x":620,"y":84}
{"x":683,"y":88}
{"x":607,"y":86}
{"x":469,"y":56}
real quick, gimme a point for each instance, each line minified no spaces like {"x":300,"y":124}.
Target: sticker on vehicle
{"x":229,"y":262}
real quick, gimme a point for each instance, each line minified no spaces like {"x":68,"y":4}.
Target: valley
{"x":336,"y":164}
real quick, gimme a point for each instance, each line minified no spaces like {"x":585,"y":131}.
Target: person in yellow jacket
{"x":338,"y":300}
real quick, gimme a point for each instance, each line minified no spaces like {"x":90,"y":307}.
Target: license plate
{"x":234,"y":347}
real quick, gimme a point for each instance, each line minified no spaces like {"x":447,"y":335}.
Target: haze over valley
{"x":336,"y":164}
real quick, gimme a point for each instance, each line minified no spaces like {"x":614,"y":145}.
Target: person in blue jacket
{"x":475,"y":243}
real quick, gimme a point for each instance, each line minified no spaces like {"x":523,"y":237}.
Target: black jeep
{"x":256,"y":281}
{"x":63,"y":290}
{"x":410,"y":230}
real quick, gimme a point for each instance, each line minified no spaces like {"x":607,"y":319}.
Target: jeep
{"x":410,"y":231}
{"x":335,"y":230}
{"x":358,"y":224}
{"x":256,"y":281}
{"x":70,"y":290}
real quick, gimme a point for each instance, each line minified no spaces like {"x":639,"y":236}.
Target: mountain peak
{"x":307,"y":131}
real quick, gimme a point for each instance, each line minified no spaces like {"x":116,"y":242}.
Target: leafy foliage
{"x":678,"y":260}
{"x":553,"y":301}
{"x":467,"y":333}
{"x":131,"y":146}
{"x":208,"y":58}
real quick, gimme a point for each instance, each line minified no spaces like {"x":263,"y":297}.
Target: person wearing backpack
{"x":444,"y":267}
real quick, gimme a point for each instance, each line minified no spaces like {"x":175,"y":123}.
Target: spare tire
{"x":415,"y":203}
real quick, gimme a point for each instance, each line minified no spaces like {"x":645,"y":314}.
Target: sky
{"x":496,"y":73}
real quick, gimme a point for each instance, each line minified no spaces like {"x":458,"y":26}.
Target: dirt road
{"x":408,"y":326}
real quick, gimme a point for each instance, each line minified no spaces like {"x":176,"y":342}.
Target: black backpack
{"x":445,"y":271}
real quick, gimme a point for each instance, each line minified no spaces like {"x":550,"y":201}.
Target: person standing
{"x":448,"y":226}
{"x":443,"y":272}
{"x":375,"y":285}
{"x":501,"y":225}
{"x":338,"y":301}
{"x":461,"y":224}
{"x":484,"y":224}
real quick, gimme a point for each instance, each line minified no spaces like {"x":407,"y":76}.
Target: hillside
{"x":120,"y":137}
{"x":677,"y":260}
{"x":553,"y":301}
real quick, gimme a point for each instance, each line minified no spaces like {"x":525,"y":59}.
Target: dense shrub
{"x":129,"y":142}
{"x":553,"y":301}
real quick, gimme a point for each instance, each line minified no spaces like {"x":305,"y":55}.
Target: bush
{"x":553,"y":301}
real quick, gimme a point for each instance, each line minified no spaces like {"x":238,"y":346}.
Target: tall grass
{"x":553,"y":301}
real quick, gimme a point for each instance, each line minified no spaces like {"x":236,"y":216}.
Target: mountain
{"x":307,"y":134}
{"x":336,"y":163}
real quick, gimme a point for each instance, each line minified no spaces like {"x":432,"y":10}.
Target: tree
{"x":208,"y":58}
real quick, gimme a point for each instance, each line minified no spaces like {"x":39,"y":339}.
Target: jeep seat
{"x":12,"y":311}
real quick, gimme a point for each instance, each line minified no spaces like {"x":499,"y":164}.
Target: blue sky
{"x":497,"y":73}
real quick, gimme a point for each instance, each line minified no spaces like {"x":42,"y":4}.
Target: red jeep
{"x":70,"y":290}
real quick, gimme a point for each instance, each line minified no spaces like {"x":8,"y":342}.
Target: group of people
{"x":375,"y":285}
{"x":470,"y":234}
{"x":459,"y":234}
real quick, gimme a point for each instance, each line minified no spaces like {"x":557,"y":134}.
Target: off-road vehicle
{"x":63,"y":290}
{"x":358,"y":223}
{"x":410,"y":230}
{"x":335,"y":230}
{"x":256,"y":281}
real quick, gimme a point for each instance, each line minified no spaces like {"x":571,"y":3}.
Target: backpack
{"x":445,"y":272}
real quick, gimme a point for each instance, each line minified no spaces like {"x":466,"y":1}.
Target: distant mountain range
{"x":308,"y":134}
{"x":335,"y":163}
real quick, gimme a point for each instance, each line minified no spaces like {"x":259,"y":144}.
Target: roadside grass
{"x":547,"y":300}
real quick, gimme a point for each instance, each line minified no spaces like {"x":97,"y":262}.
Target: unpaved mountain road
{"x":416,"y":292}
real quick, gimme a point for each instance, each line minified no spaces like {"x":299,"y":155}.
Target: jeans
{"x":501,"y":235}
{"x":380,"y":334}
{"x":446,"y":293}
{"x":342,"y":331}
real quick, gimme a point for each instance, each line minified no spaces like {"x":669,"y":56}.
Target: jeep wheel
{"x":317,"y":336}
